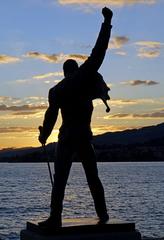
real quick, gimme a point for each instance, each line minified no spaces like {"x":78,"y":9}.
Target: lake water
{"x":134,"y":192}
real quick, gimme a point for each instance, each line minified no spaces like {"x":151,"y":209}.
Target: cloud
{"x":56,"y":58}
{"x":3,"y":107}
{"x":152,"y":115}
{"x":4,"y":98}
{"x":22,"y":81}
{"x":149,"y":44}
{"x":118,"y":42}
{"x":126,"y":103}
{"x":144,"y":53}
{"x":78,"y":57}
{"x":47,"y":75}
{"x":140,"y":82}
{"x":8,"y":59}
{"x":98,"y":3}
{"x":30,"y":102}
{"x":24,"y":113}
{"x":7,"y":99}
{"x":121,"y":53}
{"x":146,"y":102}
{"x":35,"y":98}
{"x":17,"y":129}
{"x":119,"y":102}
{"x":45,"y":57}
{"x":40,"y":77}
{"x":148,"y":49}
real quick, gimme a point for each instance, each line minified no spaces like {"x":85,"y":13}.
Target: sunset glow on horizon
{"x":38,"y":36}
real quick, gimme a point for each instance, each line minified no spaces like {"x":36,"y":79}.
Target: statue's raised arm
{"x":94,"y":61}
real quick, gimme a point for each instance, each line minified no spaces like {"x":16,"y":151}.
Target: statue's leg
{"x":87,"y":155}
{"x":63,"y":164}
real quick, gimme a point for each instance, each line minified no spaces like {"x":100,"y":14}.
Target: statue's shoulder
{"x":56,"y":89}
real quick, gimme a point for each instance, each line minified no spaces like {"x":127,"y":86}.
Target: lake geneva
{"x":134,"y":192}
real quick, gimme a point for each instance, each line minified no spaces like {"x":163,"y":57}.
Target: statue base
{"x":83,"y":229}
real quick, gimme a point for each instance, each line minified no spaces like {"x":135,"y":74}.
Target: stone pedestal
{"x":83,"y":229}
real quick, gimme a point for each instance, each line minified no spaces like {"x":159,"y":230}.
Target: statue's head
{"x":69,"y":67}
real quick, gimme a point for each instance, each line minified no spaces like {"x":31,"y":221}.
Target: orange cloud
{"x":8,"y":59}
{"x":17,"y":129}
{"x":98,"y":3}
{"x":145,"y":53}
{"x":78,"y":57}
{"x":149,"y":44}
{"x":24,"y":113}
{"x":45,"y":57}
{"x":148,"y":49}
{"x":56,"y":58}
{"x":118,"y":42}
{"x":7,"y":99}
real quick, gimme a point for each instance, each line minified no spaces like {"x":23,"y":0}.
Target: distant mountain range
{"x":133,"y":136}
{"x":144,"y":144}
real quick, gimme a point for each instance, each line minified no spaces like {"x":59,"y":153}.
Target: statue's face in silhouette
{"x":69,"y":67}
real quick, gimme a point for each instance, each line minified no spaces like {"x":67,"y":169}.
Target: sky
{"x":37,"y":36}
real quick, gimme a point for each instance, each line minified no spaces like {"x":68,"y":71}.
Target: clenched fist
{"x":107,"y":13}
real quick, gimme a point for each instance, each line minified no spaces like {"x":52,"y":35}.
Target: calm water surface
{"x":134,"y":192}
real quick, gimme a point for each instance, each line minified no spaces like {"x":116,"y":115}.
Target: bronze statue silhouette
{"x":73,"y":96}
